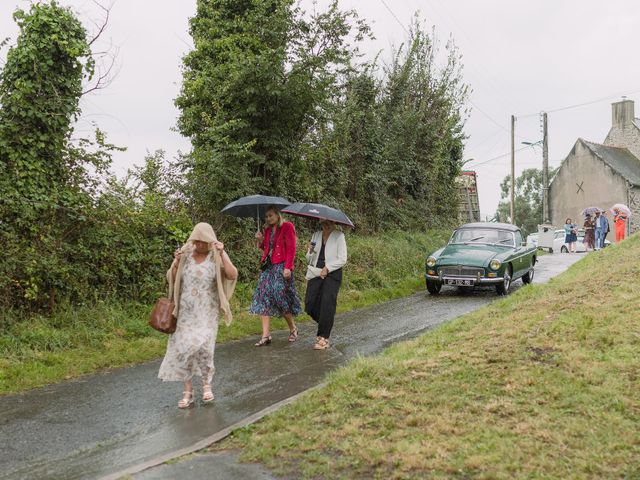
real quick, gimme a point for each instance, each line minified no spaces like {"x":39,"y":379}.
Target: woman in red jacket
{"x":276,"y":293}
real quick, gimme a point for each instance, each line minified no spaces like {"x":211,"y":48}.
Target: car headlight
{"x":431,"y":262}
{"x":495,"y":264}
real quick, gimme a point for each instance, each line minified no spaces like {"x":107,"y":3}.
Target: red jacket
{"x":284,"y":246}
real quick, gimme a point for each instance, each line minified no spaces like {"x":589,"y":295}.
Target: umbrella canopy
{"x":591,"y":211}
{"x":319,"y":211}
{"x":622,"y":208}
{"x":254,"y":206}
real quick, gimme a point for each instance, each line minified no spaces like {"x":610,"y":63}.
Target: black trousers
{"x":321,"y":299}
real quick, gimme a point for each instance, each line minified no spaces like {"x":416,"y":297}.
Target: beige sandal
{"x":187,"y":400}
{"x":293,"y":334}
{"x":207,"y":394}
{"x":263,"y":341}
{"x":321,"y":343}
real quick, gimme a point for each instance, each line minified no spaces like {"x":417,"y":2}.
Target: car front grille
{"x":461,"y":271}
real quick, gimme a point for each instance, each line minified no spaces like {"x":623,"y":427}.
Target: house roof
{"x":619,"y":159}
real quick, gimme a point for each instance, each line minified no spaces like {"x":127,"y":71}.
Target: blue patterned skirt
{"x":274,"y":295}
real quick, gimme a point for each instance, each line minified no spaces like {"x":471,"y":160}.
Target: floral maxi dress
{"x":274,"y":295}
{"x":191,"y":347}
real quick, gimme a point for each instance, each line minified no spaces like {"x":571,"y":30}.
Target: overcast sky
{"x":571,"y":58}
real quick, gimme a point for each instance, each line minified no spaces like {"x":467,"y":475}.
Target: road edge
{"x":204,"y":443}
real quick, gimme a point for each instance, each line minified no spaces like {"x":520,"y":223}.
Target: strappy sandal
{"x":187,"y":400}
{"x":263,"y":341}
{"x":321,"y":343}
{"x":293,"y":335}
{"x":207,"y":394}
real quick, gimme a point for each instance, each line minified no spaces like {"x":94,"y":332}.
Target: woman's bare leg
{"x":289,"y":318}
{"x":265,"y":325}
{"x":188,"y":386}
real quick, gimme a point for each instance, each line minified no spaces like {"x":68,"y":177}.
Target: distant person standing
{"x":589,"y":233}
{"x":620,"y":219}
{"x":607,"y":229}
{"x":601,"y":228}
{"x":326,"y":254}
{"x":570,"y":234}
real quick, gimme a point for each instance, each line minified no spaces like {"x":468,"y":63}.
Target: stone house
{"x":601,"y":175}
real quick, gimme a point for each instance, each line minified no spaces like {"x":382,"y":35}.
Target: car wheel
{"x":528,"y":277}
{"x":433,"y":287}
{"x":564,"y":249}
{"x":551,"y":250}
{"x":503,"y":288}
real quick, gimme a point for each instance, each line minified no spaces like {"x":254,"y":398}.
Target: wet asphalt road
{"x":102,"y":424}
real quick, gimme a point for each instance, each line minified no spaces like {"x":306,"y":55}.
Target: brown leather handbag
{"x":161,"y":317}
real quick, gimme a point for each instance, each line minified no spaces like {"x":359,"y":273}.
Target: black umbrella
{"x":254,"y":206}
{"x":319,"y":211}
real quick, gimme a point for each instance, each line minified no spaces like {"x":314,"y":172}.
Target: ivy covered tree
{"x":40,"y":87}
{"x":70,"y":231}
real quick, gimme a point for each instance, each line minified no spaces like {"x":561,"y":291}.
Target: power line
{"x":497,"y":157}
{"x":577,"y":105}
{"x":473,"y":104}
{"x":394,"y":16}
{"x":488,"y":116}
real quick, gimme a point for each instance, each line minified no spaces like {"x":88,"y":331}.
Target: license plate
{"x":459,"y":282}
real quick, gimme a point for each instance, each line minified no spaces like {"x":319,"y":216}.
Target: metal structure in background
{"x":469,"y":205}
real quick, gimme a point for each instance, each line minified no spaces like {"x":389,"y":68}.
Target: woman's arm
{"x":341,"y":254}
{"x":177,"y":255}
{"x":230,"y":270}
{"x":260,"y":239}
{"x":290,"y":240}
{"x":311,"y":251}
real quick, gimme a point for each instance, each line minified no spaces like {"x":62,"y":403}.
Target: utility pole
{"x":545,"y":171}
{"x":513,"y":171}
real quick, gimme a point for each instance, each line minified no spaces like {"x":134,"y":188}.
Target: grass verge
{"x":81,"y":340}
{"x":542,"y":384}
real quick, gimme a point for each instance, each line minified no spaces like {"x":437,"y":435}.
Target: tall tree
{"x":423,"y":112}
{"x":258,"y":79}
{"x":528,"y":199}
{"x":40,"y":87}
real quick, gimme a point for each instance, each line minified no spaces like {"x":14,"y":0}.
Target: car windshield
{"x":483,"y":235}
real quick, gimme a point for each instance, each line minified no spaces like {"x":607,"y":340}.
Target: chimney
{"x":622,"y":113}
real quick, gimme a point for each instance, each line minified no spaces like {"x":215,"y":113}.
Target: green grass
{"x":80,"y":340}
{"x":543,"y":384}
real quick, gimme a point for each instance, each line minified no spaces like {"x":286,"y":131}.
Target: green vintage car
{"x":481,"y":253}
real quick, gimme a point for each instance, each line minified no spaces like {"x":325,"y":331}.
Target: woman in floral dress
{"x":201,"y":281}
{"x":276,"y":293}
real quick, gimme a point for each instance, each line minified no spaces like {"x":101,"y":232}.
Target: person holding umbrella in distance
{"x":326,"y":254}
{"x":620,"y":215}
{"x":275,"y":294}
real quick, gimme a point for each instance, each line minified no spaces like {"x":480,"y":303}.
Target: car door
{"x":519,"y":263}
{"x":558,"y":241}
